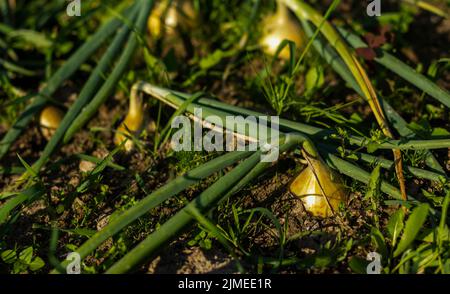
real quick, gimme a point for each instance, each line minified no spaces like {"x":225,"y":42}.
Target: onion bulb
{"x":133,"y":123}
{"x":279,"y":27}
{"x":49,"y":120}
{"x":180,"y":14}
{"x":320,"y":189}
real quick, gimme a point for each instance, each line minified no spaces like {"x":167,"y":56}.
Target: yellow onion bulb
{"x":49,"y":121}
{"x":133,"y":123}
{"x":319,"y":188}
{"x":279,"y":27}
{"x":180,"y":14}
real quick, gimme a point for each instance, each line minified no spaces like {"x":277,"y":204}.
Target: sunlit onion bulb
{"x":49,"y":120}
{"x":181,"y":13}
{"x":132,"y":125}
{"x":316,"y":181}
{"x":279,"y":27}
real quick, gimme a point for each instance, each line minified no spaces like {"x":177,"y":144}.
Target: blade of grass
{"x":17,"y":68}
{"x":214,"y":231}
{"x":62,"y":74}
{"x":443,"y":220}
{"x":12,"y":170}
{"x":52,"y":250}
{"x":29,"y":194}
{"x":96,"y":160}
{"x":428,"y":7}
{"x":29,"y":169}
{"x":412,"y":228}
{"x":85,"y":232}
{"x":5,"y":10}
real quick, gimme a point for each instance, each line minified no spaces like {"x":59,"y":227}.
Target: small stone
{"x":103,"y":220}
{"x":86,"y":166}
